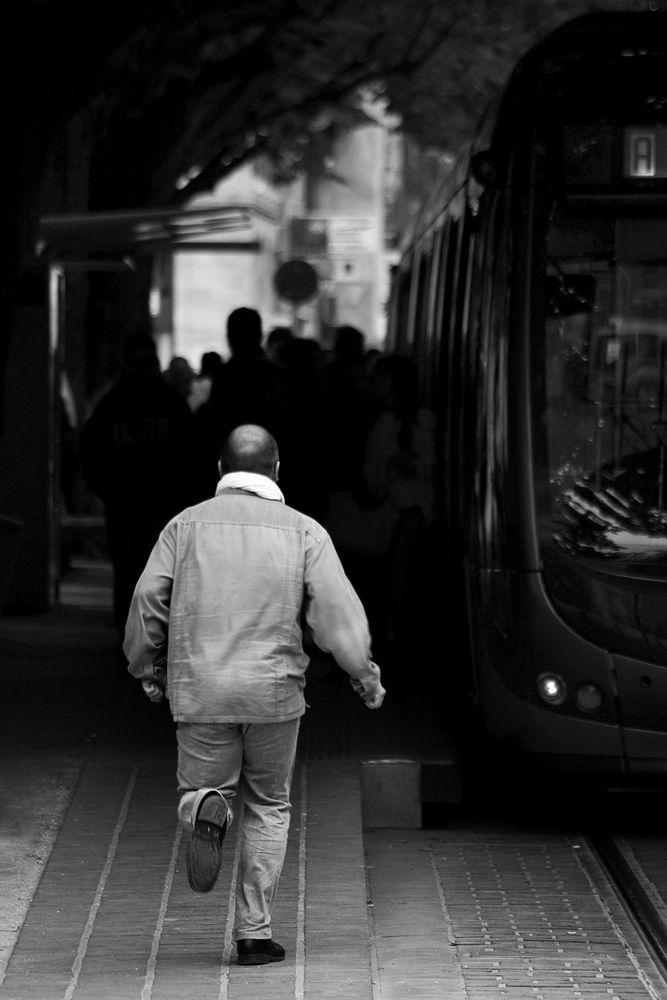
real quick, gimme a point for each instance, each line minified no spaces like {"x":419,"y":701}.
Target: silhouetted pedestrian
{"x":180,"y":376}
{"x":210,"y":365}
{"x":137,"y":455}
{"x":279,"y":337}
{"x":304,"y":461}
{"x":249,"y":388}
{"x":399,"y":470}
{"x":349,"y":409}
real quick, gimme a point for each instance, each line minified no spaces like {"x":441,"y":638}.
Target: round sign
{"x":296,"y":281}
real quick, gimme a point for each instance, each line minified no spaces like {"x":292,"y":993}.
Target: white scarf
{"x":253,"y":483}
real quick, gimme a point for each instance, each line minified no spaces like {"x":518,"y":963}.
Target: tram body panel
{"x":642,"y":693}
{"x":559,"y":739}
{"x":547,"y":367}
{"x":522,"y":644}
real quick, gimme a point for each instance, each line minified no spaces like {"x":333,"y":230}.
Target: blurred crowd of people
{"x":356,"y":453}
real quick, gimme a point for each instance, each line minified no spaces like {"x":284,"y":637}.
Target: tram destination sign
{"x":645,"y":152}
{"x":592,"y":154}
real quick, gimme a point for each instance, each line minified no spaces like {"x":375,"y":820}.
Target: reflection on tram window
{"x":606,"y":413}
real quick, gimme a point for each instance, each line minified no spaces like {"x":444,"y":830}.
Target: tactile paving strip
{"x":528,"y":920}
{"x":472,"y":914}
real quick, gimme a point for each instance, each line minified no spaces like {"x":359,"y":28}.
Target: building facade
{"x":334,"y":223}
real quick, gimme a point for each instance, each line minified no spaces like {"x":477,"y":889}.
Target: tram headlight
{"x":551,"y":688}
{"x":588,"y":697}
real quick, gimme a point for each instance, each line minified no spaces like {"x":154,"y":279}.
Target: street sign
{"x":308,"y":238}
{"x":296,"y":281}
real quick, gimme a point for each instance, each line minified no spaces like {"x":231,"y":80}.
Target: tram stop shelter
{"x":69,"y":246}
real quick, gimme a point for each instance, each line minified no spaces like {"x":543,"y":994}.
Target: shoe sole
{"x":203,"y":856}
{"x":259,"y":959}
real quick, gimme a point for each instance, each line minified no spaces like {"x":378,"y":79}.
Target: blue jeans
{"x":258,"y":757}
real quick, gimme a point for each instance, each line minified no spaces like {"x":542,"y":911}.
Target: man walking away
{"x":222,"y":597}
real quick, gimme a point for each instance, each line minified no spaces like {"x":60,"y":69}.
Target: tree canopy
{"x":179,"y":92}
{"x":109,"y":104}
{"x":213,"y":83}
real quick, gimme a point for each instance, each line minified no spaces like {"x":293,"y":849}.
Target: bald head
{"x":250,"y":448}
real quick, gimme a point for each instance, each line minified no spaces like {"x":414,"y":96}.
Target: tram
{"x":531,"y":292}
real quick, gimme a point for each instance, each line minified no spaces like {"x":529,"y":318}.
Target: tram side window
{"x":606,"y":403}
{"x":447,"y":298}
{"x":432,"y":355}
{"x":429,"y":359}
{"x":400,"y":332}
{"x":421,"y":307}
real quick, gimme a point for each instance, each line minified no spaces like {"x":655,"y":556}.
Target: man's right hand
{"x":375,"y":700}
{"x":372,"y":698}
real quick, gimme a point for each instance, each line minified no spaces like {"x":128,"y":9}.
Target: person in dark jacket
{"x":137,"y":456}
{"x":249,"y":388}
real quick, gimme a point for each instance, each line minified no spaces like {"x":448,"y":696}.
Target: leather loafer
{"x":259,"y":951}
{"x":203,"y":855}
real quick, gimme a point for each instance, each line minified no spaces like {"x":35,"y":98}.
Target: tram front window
{"x":606,"y":396}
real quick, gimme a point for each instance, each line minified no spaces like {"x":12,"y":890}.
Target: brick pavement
{"x":467,"y":912}
{"x":88,"y":769}
{"x":114,"y":918}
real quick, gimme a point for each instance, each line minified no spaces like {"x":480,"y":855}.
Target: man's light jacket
{"x":223,"y":593}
